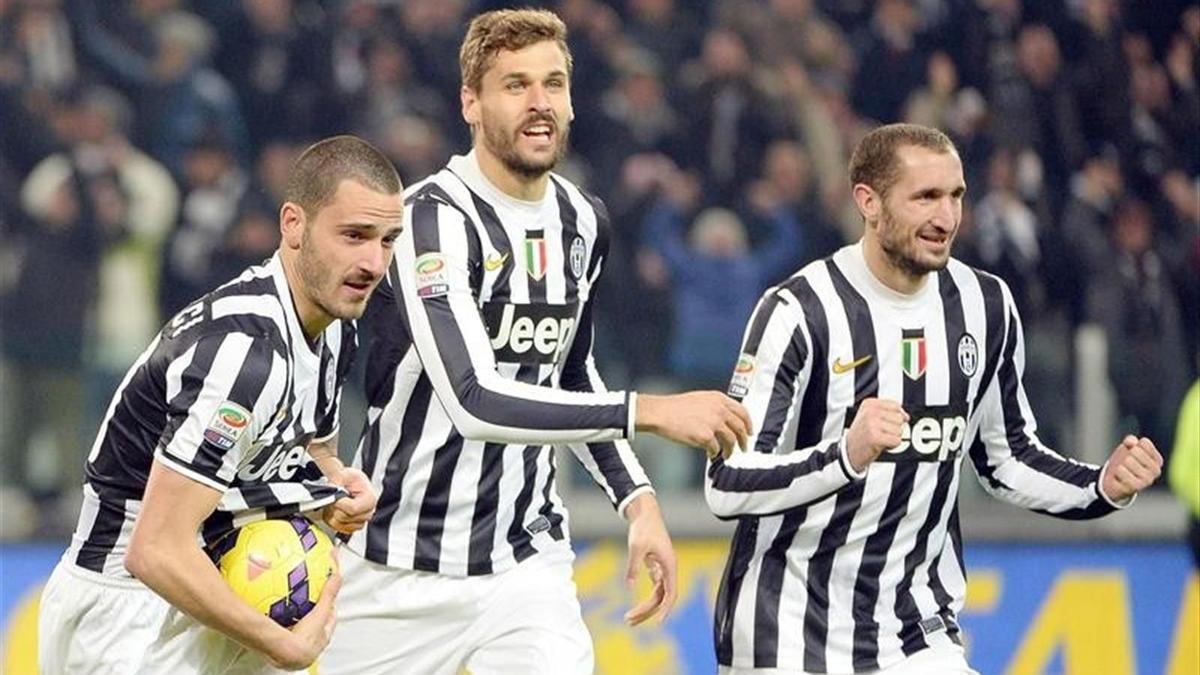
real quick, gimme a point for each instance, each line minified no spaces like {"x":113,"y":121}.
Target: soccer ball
{"x":277,"y":566}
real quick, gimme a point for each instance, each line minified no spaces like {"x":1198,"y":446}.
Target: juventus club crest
{"x":578,"y":255}
{"x":913,"y":353}
{"x":968,"y":355}
{"x":535,"y":254}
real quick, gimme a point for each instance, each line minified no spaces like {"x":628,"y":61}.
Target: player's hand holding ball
{"x":287,"y":570}
{"x":1133,"y":466}
{"x":876,"y":427}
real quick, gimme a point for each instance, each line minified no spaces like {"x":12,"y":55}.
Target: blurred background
{"x":144,"y":145}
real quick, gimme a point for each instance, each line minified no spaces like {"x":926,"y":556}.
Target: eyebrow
{"x":522,"y":75}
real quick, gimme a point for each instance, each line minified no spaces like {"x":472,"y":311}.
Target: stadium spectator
{"x":1136,"y":303}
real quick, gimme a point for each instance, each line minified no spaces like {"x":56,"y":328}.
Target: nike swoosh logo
{"x":839,"y":367}
{"x":494,"y":262}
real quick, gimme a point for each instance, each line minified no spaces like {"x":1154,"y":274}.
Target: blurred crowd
{"x":144,"y":145}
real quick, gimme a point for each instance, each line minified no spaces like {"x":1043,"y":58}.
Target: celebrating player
{"x":870,"y":375}
{"x":482,"y":364}
{"x":218,"y":424}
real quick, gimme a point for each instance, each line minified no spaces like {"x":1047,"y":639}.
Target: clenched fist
{"x":1133,"y":466}
{"x":876,"y":427}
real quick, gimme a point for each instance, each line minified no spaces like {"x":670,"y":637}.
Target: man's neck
{"x":888,"y":274}
{"x":507,"y":181}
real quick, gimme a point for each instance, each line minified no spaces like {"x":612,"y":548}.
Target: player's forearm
{"x":181,"y":573}
{"x":753,"y":483}
{"x":324,"y":453}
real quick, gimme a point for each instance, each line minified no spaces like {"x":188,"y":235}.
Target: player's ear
{"x":470,"y":105}
{"x":291,"y":224}
{"x":868,"y":201}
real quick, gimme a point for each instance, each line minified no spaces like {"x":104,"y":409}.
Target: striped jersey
{"x":833,"y":571}
{"x":481,"y":363}
{"x":229,"y":394}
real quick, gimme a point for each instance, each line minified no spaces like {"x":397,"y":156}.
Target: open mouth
{"x":360,"y":288}
{"x":539,"y":131}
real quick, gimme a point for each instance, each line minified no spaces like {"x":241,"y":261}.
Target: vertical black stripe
{"x":770,"y":589}
{"x":956,"y":330}
{"x":783,"y":391}
{"x":849,"y":499}
{"x":875,"y":553}
{"x":603,"y":230}
{"x":431,"y":523}
{"x":548,"y":511}
{"x":397,"y":468}
{"x":758,"y":325}
{"x":104,"y":534}
{"x":911,"y":635}
{"x":518,"y":537}
{"x":570,"y":231}
{"x":499,"y":240}
{"x":193,"y":379}
{"x":741,"y":553}
{"x":879,"y":543}
{"x":248,"y":385}
{"x":369,"y":447}
{"x":814,"y":403}
{"x":993,"y":318}
{"x":487,"y":502}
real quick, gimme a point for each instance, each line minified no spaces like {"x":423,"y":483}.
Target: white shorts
{"x":935,"y":660}
{"x":95,"y":624}
{"x":185,"y":646}
{"x":92,"y":624}
{"x":523,"y":620}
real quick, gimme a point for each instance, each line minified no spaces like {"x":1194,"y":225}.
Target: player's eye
{"x":515,"y":85}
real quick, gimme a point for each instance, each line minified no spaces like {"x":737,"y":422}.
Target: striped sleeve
{"x":1010,"y":460}
{"x":433,"y":268}
{"x":773,"y":372}
{"x":612,"y":465}
{"x":221,"y":393}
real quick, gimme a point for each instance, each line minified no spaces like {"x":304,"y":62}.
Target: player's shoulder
{"x":249,"y":305}
{"x":990,"y":285}
{"x":580,"y":195}
{"x":448,"y":196}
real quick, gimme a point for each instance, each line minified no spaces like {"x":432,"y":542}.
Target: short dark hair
{"x":317,"y":172}
{"x":508,"y":30}
{"x":874,"y":161}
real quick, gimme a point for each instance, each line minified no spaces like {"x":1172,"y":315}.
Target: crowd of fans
{"x":144,"y":145}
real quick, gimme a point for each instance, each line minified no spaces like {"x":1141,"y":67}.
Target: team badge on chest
{"x":535,"y":254}
{"x":968,"y":355}
{"x":578,"y":257}
{"x":913,"y":353}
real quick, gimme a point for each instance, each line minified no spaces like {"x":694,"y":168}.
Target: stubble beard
{"x":316,"y":277}
{"x":900,"y":251}
{"x":504,"y":147}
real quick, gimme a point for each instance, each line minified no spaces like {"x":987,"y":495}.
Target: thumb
{"x":631,"y":569}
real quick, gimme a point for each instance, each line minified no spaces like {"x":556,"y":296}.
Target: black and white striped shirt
{"x":481,"y":363}
{"x":229,"y":394}
{"x":832,"y":571}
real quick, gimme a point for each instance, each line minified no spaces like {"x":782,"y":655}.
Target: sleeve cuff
{"x":630,"y":497}
{"x":844,"y":461}
{"x":1123,"y":504}
{"x":631,"y":422}
{"x":182,"y":469}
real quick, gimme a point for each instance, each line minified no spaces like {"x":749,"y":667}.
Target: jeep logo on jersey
{"x":932,"y":434}
{"x":528,"y":333}
{"x":283,"y":463}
